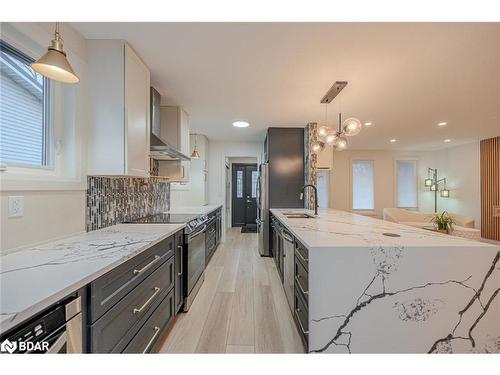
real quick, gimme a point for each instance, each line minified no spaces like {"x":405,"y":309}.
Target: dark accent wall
{"x":114,"y":200}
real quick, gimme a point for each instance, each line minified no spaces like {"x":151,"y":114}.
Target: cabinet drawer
{"x":110,"y":288}
{"x":301,"y":315}
{"x":302,"y":254}
{"x":149,"y":333}
{"x":115,"y":328}
{"x":301,"y":280}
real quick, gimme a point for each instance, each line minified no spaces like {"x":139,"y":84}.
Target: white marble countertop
{"x":334,"y":228}
{"x":202,"y":210}
{"x":33,"y":278}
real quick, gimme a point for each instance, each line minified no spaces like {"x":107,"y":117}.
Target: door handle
{"x":156,"y":259}
{"x":138,"y":310}
{"x":157,"y":331}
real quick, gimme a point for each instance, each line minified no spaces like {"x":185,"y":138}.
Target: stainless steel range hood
{"x":166,"y":152}
{"x":159,"y":148}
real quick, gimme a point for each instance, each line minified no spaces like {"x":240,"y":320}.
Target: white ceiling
{"x":404,"y":78}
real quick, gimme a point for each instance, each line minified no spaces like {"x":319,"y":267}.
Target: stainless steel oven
{"x":194,"y":263}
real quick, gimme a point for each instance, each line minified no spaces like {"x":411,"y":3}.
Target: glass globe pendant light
{"x":331,"y":138}
{"x":54,"y":64}
{"x":323,"y":131}
{"x":317,"y":147}
{"x":352,"y":126}
{"x":341,"y":143}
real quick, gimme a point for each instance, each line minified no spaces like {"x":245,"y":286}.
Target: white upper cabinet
{"x":174,"y":130}
{"x":119,"y":118}
{"x":175,"y":127}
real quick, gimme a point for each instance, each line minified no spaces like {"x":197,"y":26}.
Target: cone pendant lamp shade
{"x":54,"y":64}
{"x":195,"y":154}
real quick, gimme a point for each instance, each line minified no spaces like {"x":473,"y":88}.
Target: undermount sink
{"x":297,"y":215}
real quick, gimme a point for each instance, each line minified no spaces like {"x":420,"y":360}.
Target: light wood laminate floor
{"x":241,"y":307}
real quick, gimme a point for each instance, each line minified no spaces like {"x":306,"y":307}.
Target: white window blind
{"x":23,"y":110}
{"x":406,"y":171}
{"x":323,"y":186}
{"x":362,"y":185}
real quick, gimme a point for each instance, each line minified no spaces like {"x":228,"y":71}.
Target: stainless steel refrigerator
{"x":263,"y":209}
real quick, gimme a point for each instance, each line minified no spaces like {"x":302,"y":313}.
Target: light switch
{"x":16,"y":206}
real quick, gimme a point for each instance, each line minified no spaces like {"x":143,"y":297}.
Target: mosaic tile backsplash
{"x":113,"y":200}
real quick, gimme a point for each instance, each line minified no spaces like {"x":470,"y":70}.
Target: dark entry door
{"x":244,"y":193}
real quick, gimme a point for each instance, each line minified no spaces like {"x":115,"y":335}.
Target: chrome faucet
{"x":315,"y":196}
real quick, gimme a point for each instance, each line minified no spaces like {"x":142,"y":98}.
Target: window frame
{"x":47,"y":114}
{"x":396,"y":187}
{"x":351,"y":190}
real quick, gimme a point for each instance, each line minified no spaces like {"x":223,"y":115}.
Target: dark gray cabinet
{"x":218,"y":227}
{"x":301,"y":300}
{"x":301,"y":316}
{"x":114,"y":329}
{"x":278,"y":247}
{"x":292,"y":262}
{"x":129,"y":307}
{"x":302,"y":254}
{"x":147,"y":336}
{"x":179,"y":266}
{"x":110,"y":288}
{"x":284,"y":150}
{"x":213,"y":233}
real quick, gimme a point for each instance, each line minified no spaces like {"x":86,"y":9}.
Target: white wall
{"x":219,"y":151}
{"x":54,"y":200}
{"x":459,"y":164}
{"x":461,"y":167}
{"x":341,"y":188}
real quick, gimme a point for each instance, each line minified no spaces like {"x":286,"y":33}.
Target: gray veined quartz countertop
{"x":33,"y":278}
{"x":335,"y":228}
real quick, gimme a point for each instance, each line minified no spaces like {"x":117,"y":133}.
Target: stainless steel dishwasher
{"x":288,"y":263}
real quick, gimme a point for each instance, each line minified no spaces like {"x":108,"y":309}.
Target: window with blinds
{"x":406,"y":177}
{"x":24,"y":110}
{"x":363,"y":185}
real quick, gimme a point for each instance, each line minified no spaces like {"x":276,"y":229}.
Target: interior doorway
{"x":243,"y":196}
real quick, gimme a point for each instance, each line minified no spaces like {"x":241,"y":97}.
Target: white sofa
{"x":463,"y":227}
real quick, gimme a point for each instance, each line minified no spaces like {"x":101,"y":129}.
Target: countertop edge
{"x":276,"y":211}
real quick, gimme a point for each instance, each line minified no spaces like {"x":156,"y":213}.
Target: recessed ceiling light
{"x":393,"y":140}
{"x":443,"y":123}
{"x":241,"y":124}
{"x":447,"y":140}
{"x":368,"y":123}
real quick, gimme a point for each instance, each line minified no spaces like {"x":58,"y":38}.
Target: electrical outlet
{"x":16,"y":206}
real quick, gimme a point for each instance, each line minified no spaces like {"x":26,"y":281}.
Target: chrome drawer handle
{"x":300,"y":286}
{"x":156,"y":259}
{"x":300,"y":323}
{"x":157,"y":331}
{"x":138,"y":310}
{"x":301,"y":257}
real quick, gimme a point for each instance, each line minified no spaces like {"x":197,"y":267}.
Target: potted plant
{"x":444,"y":222}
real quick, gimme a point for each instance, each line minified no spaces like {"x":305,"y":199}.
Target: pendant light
{"x":336,"y":138}
{"x":195,"y":154}
{"x":54,"y":64}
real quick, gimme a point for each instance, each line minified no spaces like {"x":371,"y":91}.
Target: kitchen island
{"x":373,"y":286}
